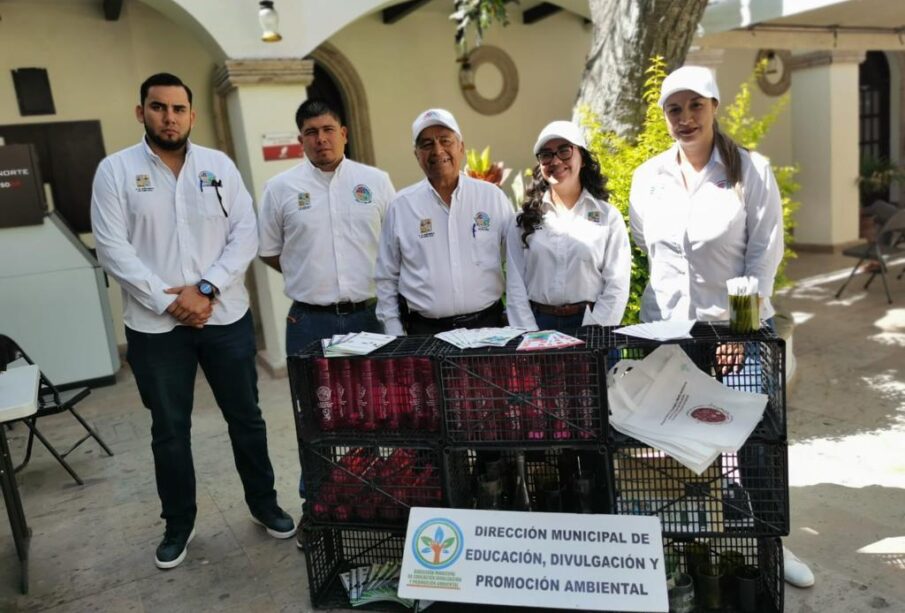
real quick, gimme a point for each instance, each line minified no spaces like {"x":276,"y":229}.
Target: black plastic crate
{"x":763,"y":372}
{"x":726,"y":555}
{"x":541,"y":398}
{"x":744,"y":493}
{"x":557,"y":479}
{"x":391,"y":392}
{"x":331,"y":551}
{"x":370,"y":484}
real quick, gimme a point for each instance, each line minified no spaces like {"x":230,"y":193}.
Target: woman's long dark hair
{"x":589,"y":176}
{"x":728,"y":149}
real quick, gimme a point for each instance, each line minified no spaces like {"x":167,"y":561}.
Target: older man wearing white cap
{"x":440,"y":261}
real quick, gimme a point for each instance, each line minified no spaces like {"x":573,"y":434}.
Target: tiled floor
{"x":93,"y":545}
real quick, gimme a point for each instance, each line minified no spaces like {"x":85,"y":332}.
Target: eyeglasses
{"x":545,"y":156}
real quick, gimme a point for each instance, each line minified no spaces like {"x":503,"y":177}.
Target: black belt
{"x":458,"y":321}
{"x":565,"y":310}
{"x":339,"y":308}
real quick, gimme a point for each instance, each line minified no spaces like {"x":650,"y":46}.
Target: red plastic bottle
{"x":533,"y":413}
{"x":586,"y":407}
{"x":430,"y":398}
{"x":367,"y":398}
{"x":324,"y":395}
{"x":410,"y":394}
{"x":560,"y":407}
{"x":340,"y":395}
{"x":511,"y":427}
{"x":390,"y":395}
{"x":487,"y":404}
{"x":348,"y":381}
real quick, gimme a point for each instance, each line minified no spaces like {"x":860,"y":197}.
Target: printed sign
{"x":281,"y":146}
{"x":592,"y":562}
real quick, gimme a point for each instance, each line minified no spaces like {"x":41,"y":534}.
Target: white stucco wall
{"x":95,"y":68}
{"x":410,"y":66}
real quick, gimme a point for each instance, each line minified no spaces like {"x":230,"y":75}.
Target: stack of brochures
{"x":659,"y":330}
{"x":464,"y":338}
{"x":360,"y":343}
{"x":547,"y":339}
{"x":379,"y":581}
{"x":667,"y":402}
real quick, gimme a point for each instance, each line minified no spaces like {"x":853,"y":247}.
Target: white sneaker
{"x":796,"y":572}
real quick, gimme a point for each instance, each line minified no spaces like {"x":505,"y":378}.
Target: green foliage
{"x":478,"y":162}
{"x":478,"y":13}
{"x":619,"y":157}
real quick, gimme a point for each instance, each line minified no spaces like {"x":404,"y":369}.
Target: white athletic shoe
{"x":796,"y":572}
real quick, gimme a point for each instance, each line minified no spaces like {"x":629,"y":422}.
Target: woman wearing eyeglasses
{"x":568,"y":249}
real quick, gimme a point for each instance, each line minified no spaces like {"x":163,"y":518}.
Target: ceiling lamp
{"x":270,"y":22}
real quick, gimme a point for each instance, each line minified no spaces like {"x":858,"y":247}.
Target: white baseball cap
{"x":434,"y":117}
{"x":560,"y":129}
{"x":698,"y":79}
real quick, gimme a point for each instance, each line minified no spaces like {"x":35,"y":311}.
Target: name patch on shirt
{"x":427,"y":228}
{"x":143,"y":183}
{"x":594,"y":216}
{"x":304,"y":200}
{"x":362,"y":194}
{"x":482,"y":222}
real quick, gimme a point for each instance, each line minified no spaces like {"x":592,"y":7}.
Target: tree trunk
{"x":627,"y":33}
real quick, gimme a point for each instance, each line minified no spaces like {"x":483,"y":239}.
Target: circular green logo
{"x":437,"y":543}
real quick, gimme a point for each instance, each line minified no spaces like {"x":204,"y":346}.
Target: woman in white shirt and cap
{"x":568,"y":250}
{"x":706,"y":211}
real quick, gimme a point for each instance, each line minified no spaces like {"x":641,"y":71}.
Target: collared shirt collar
{"x":314,"y":171}
{"x":150,"y":152}
{"x":455,"y":192}
{"x":549,"y":205}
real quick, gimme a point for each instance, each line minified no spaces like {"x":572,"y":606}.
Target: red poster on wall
{"x":281,"y":146}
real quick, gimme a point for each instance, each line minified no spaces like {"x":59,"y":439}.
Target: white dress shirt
{"x":155,"y":231}
{"x":698,"y":239}
{"x":326,"y":229}
{"x":445,"y":260}
{"x":575,"y":255}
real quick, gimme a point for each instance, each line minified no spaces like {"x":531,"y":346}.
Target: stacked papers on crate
{"x":379,"y":581}
{"x":547,"y":339}
{"x":659,"y":330}
{"x":360,"y":343}
{"x":667,"y":402}
{"x":465,"y":338}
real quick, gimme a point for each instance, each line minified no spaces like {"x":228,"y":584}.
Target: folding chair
{"x":889,"y":242}
{"x":51,"y":401}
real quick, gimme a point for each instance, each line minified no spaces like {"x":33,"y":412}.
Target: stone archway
{"x":355,"y":100}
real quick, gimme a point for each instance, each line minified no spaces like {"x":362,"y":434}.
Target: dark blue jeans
{"x":165,"y":366}
{"x":553,"y":322}
{"x":304,"y":326}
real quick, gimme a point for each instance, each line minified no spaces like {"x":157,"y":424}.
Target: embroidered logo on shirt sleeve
{"x":304,"y":201}
{"x":362,"y":194}
{"x":143,"y":183}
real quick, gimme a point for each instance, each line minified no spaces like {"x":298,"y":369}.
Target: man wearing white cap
{"x":440,"y":261}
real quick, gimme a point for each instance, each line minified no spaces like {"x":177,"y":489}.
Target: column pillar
{"x":256,"y":97}
{"x":825,"y":146}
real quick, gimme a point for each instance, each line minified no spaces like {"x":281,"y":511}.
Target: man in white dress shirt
{"x":320,"y":226}
{"x":440,"y":262}
{"x":174,"y":225}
